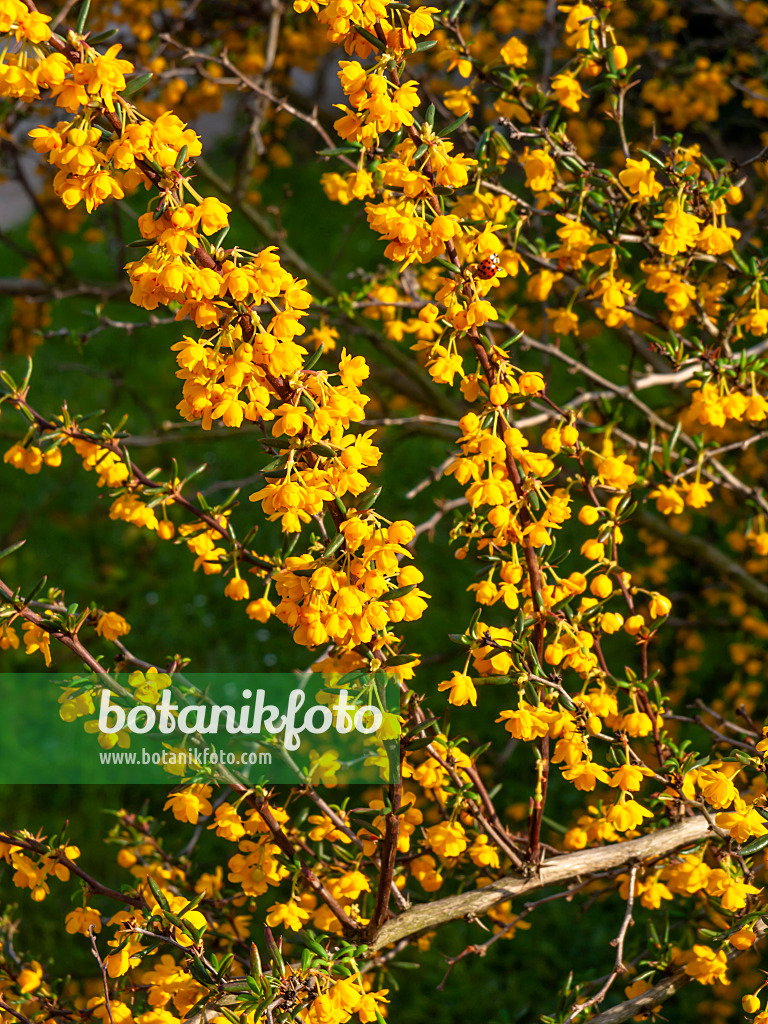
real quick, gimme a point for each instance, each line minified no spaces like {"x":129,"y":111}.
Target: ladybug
{"x":486,"y":269}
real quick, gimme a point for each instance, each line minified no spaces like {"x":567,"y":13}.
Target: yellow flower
{"x":680,"y":230}
{"x":288,"y":915}
{"x":36,"y":639}
{"x":539,"y":170}
{"x":237,"y":589}
{"x":83,"y":919}
{"x":483,"y":854}
{"x":526,"y":723}
{"x":568,"y":92}
{"x":639,"y":178}
{"x":540,"y":285}
{"x":659,"y":606}
{"x":742,"y":822}
{"x":585,"y":775}
{"x":447,"y":839}
{"x":515,"y":53}
{"x":188,"y":804}
{"x":462,"y":690}
{"x":577,"y":25}
{"x":228,"y":823}
{"x":707,"y":966}
{"x":30,"y":978}
{"x":212,"y":214}
{"x":668,"y":500}
{"x":424,"y":870}
{"x":627,"y":814}
{"x":111,"y":626}
{"x":697,"y":494}
{"x":105,"y":76}
{"x":717,"y":240}
{"x":421,"y":22}
{"x":629,"y":777}
{"x":367,"y":1008}
{"x":615,"y":472}
{"x":460,"y":101}
{"x":742,"y":939}
{"x":260,"y":609}
{"x":9,"y":638}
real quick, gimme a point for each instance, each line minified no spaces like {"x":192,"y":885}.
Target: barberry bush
{"x":429,"y":351}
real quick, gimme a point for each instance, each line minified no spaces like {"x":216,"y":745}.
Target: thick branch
{"x":698,"y":550}
{"x":561,"y":869}
{"x":642,"y":1004}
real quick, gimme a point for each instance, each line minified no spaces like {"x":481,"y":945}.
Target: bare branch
{"x":561,"y":869}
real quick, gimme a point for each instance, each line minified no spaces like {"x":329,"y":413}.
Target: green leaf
{"x":461,"y":639}
{"x":334,"y":546}
{"x":420,"y":727}
{"x":372,"y":39}
{"x":418,"y":745}
{"x":315,"y":357}
{"x":393,"y":595}
{"x":338,"y":151}
{"x":218,"y":239}
{"x":323,"y":449}
{"x":158,"y":893}
{"x":315,"y":946}
{"x":12,"y":547}
{"x":367,"y":499}
{"x":276,"y":442}
{"x":754,"y":847}
{"x":82,"y":17}
{"x":453,"y":126}
{"x":36,"y":589}
{"x":398,"y":659}
{"x":102,"y":37}
{"x":138,"y":83}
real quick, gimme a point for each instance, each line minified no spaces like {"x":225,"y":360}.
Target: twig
{"x":102,"y":968}
{"x":618,"y":942}
{"x":14,"y":1013}
{"x":261,"y":804}
{"x":95,"y":887}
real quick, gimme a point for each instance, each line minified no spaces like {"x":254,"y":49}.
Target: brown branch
{"x":642,"y":1004}
{"x":14,"y":1013}
{"x":350,"y":926}
{"x":388,"y":854}
{"x":102,"y":968}
{"x":618,"y":968}
{"x":95,"y":887}
{"x":341,"y":826}
{"x":64,"y":637}
{"x":141,"y":478}
{"x":698,"y":550}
